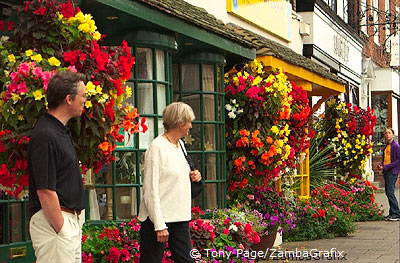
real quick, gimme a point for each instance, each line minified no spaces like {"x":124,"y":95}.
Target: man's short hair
{"x":62,"y":84}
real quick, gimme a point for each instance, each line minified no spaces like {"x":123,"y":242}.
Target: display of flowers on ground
{"x":267,"y":124}
{"x":48,"y":37}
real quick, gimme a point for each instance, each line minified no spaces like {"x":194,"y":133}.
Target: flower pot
{"x":266,"y":242}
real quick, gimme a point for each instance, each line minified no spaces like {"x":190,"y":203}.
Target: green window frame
{"x":118,"y":187}
{"x":198,"y":81}
{"x":14,"y":230}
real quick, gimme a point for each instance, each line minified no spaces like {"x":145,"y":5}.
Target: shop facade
{"x":181,"y":53}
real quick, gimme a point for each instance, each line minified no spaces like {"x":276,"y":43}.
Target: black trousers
{"x":151,"y":251}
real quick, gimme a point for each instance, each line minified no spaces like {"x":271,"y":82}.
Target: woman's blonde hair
{"x":177,"y":113}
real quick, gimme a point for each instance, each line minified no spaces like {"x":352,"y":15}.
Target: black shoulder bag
{"x":197,"y":187}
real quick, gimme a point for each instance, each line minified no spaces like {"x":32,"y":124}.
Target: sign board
{"x":394,"y":43}
{"x":273,"y":16}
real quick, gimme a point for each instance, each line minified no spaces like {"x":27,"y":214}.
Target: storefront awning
{"x":306,"y":73}
{"x":175,"y":16}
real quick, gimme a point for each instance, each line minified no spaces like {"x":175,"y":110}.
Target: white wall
{"x":324,"y":30}
{"x":395,"y":117}
{"x":386,"y":80}
{"x":219,"y":10}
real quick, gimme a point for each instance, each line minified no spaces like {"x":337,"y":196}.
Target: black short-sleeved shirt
{"x":53,"y":164}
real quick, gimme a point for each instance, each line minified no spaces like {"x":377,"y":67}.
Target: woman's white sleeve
{"x":151,"y":185}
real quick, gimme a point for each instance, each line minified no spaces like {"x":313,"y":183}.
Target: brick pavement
{"x":372,"y":242}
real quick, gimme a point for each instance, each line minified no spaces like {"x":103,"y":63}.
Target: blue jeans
{"x":390,"y":185}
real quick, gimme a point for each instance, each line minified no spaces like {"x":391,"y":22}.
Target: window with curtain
{"x":380,"y":106}
{"x":201,"y":86}
{"x":117,"y":188}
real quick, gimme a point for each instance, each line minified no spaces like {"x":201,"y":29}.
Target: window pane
{"x":190,"y":77}
{"x":145,"y":98}
{"x":175,"y":77}
{"x":146,"y":138}
{"x":105,"y":202}
{"x":161,"y":98}
{"x":209,"y":137}
{"x":193,"y":140}
{"x":15,"y":222}
{"x":211,"y":167}
{"x":194,"y":102}
{"x":208,"y":77}
{"x":144,"y":63}
{"x":104,"y":176}
{"x":221,"y":108}
{"x":160,"y":65}
{"x":211,"y":195}
{"x":219,"y":74}
{"x":126,"y":202}
{"x":380,"y":105}
{"x":125,"y":164}
{"x":209,"y":107}
{"x":160,"y":126}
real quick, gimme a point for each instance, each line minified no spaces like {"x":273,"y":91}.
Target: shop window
{"x":117,"y":189}
{"x":380,"y":107}
{"x":201,"y":86}
{"x":13,"y":220}
{"x":332,"y":4}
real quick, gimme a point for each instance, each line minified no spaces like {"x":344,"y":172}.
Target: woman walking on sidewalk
{"x":391,"y":169}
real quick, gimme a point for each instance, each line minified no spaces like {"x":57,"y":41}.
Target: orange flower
{"x":242,"y":142}
{"x":270,"y":140}
{"x":104,"y":146}
{"x":127,"y":125}
{"x":132,"y":115}
{"x":244,"y":133}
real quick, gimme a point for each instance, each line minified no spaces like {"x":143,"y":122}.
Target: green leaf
{"x":38,"y":35}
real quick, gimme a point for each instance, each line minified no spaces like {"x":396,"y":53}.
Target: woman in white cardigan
{"x":165,"y":208}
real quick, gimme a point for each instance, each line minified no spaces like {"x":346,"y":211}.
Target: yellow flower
{"x":20,"y":117}
{"x":128,"y":92}
{"x":279,"y":143}
{"x":54,"y":62}
{"x":275,"y":129}
{"x":37,"y":58}
{"x":11,"y":58}
{"x":29,"y":53}
{"x":88,"y":104}
{"x":98,"y":89}
{"x":84,"y":27}
{"x":37,"y":94}
{"x":15,"y":97}
{"x":90,"y":88}
{"x":96,"y":35}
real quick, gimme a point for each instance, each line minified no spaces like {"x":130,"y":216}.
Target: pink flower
{"x":24,"y":68}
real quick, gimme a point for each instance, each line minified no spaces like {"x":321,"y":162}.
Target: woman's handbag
{"x":197,"y":187}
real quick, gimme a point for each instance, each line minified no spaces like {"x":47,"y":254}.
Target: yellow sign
{"x":273,"y":16}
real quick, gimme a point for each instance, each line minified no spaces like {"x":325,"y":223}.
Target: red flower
{"x":67,"y":9}
{"x":143,"y":124}
{"x":40,"y":11}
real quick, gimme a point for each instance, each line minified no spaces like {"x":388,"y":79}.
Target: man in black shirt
{"x":56,"y":190}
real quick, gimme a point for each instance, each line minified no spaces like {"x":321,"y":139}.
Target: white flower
{"x":228,"y":107}
{"x":233,"y":101}
{"x":233,"y":227}
{"x":231,"y":115}
{"x":4,"y":38}
{"x":240,"y":111}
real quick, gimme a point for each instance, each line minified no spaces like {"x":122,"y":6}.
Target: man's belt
{"x":71,"y":211}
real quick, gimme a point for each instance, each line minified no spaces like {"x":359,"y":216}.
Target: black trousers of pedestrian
{"x":151,"y":251}
{"x":390,"y":186}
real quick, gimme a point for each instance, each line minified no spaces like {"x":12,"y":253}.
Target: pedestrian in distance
{"x":56,"y":190}
{"x":391,"y":169}
{"x":165,"y":208}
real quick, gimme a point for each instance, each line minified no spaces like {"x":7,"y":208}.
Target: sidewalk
{"x":375,"y":242}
